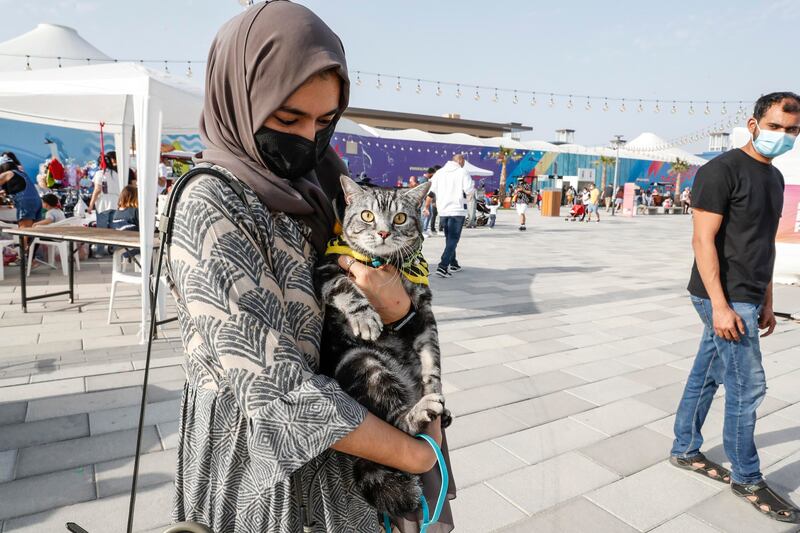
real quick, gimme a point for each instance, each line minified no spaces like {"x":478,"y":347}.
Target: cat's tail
{"x":387,"y":490}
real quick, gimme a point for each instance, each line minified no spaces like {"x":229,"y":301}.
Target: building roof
{"x":431,"y":123}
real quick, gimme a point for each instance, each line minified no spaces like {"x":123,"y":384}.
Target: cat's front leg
{"x":341,"y":293}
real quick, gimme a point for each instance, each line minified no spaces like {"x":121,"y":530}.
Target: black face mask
{"x":291,"y":156}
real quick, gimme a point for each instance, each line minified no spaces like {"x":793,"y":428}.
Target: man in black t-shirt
{"x":737,"y":200}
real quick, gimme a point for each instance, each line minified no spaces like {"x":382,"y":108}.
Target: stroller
{"x":577,"y":210}
{"x":481,"y":214}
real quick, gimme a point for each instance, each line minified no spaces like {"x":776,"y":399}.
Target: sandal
{"x":767,"y":501}
{"x":707,"y":467}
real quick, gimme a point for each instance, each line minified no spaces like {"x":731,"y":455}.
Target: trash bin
{"x":551,"y":203}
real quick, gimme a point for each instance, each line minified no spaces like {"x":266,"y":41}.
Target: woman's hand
{"x":383,"y":287}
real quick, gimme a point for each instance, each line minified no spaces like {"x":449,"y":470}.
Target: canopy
{"x":477,"y":171}
{"x":121,"y":95}
{"x":48,"y":41}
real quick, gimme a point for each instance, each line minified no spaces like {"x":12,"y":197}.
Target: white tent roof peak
{"x":48,"y":40}
{"x":645,"y":141}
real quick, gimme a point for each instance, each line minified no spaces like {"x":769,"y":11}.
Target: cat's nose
{"x":384,"y":234}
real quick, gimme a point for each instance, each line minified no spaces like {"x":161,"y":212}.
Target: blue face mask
{"x":773,"y":143}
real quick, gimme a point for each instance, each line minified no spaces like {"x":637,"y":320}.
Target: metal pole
{"x":617,"y":143}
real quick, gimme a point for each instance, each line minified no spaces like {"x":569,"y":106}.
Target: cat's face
{"x":382,"y":222}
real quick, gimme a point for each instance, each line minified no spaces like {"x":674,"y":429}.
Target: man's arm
{"x":727,"y":324}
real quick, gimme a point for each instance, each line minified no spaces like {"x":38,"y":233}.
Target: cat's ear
{"x":350,"y":188}
{"x":418,"y":193}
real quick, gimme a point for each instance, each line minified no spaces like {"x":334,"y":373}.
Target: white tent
{"x":42,"y":46}
{"x":477,"y":171}
{"x":122,"y":95}
{"x":652,"y":146}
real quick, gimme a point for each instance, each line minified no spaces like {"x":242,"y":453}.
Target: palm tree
{"x":503,"y":156}
{"x":604,"y":162}
{"x":679,"y":166}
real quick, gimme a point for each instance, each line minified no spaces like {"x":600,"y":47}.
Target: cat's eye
{"x":400,"y":218}
{"x":367,"y":216}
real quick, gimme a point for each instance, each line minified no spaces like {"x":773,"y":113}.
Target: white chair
{"x":62,"y":247}
{"x":5,"y":240}
{"x":118,"y":275}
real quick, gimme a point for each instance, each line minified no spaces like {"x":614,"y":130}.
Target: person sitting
{"x":126,"y":217}
{"x":53,"y":210}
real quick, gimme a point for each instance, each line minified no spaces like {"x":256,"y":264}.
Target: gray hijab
{"x":257,"y":60}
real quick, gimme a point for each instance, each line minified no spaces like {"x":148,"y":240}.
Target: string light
{"x":621,"y":106}
{"x":458,"y":90}
{"x":640,"y":107}
{"x":166,"y":67}
{"x":358,"y":78}
{"x":707,"y":110}
{"x":438,"y":89}
{"x":189,"y":70}
{"x":674,"y":108}
{"x":59,"y":62}
{"x":691,"y":108}
{"x":495,"y":98}
{"x":569,"y":103}
{"x":552,"y":101}
{"x":477,"y":95}
{"x":378,"y":83}
{"x":419,"y":87}
{"x":533,"y":101}
{"x":397,"y":86}
{"x":657,"y":108}
{"x":724,"y":109}
{"x":515,"y":100}
{"x":28,"y":63}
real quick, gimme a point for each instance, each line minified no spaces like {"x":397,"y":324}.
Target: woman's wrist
{"x":421,"y":456}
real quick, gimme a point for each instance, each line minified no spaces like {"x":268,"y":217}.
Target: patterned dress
{"x":257,"y":420}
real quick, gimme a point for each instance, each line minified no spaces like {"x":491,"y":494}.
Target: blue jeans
{"x":426,"y":222}
{"x":452,"y":233}
{"x":492,"y":219}
{"x":738,"y":365}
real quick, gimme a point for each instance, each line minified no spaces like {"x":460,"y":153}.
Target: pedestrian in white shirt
{"x":451,"y":185}
{"x":106,"y":187}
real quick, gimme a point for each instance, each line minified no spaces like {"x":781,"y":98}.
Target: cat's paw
{"x":427,"y":409}
{"x":366,"y":325}
{"x":447,"y":418}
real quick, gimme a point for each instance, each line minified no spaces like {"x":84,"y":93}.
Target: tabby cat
{"x":394,"y":371}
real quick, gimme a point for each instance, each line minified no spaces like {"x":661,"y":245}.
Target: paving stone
{"x":168,"y":433}
{"x":620,"y":416}
{"x":598,"y":370}
{"x":636,"y":501}
{"x":12,"y":413}
{"x":153,"y":507}
{"x":665,"y":398}
{"x":482,"y":376}
{"x":481,"y":398}
{"x":58,"y":429}
{"x":658,"y":376}
{"x":82,"y":403}
{"x":33,"y":391}
{"x":575,"y":516}
{"x":648,"y":358}
{"x":609,"y":390}
{"x":81,"y":370}
{"x":109,"y":420}
{"x":543,"y":409}
{"x":84,"y":451}
{"x":40,"y":493}
{"x":785,"y":387}
{"x":476,"y":463}
{"x":480,"y":426}
{"x":545,"y":441}
{"x":728,"y":513}
{"x":630,"y":452}
{"x":165,"y":390}
{"x":542,"y":384}
{"x":114,"y":477}
{"x":785,"y":474}
{"x":685,"y":524}
{"x":543,"y":363}
{"x":7,"y":460}
{"x":487,"y":343}
{"x":480,"y":509}
{"x":535,"y":488}
{"x":128,"y":379}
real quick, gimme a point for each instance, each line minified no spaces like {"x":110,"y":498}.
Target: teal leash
{"x":427,"y":520}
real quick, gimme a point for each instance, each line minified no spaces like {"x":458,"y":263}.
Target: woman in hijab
{"x":265,"y":441}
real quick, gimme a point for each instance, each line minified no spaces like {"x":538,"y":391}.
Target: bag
{"x":16,"y":184}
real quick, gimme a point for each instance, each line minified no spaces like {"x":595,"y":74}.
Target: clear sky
{"x":701,"y":50}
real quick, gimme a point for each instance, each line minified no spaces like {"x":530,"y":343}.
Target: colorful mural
{"x":387,"y":161}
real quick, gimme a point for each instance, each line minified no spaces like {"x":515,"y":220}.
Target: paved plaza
{"x":565,"y":349}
